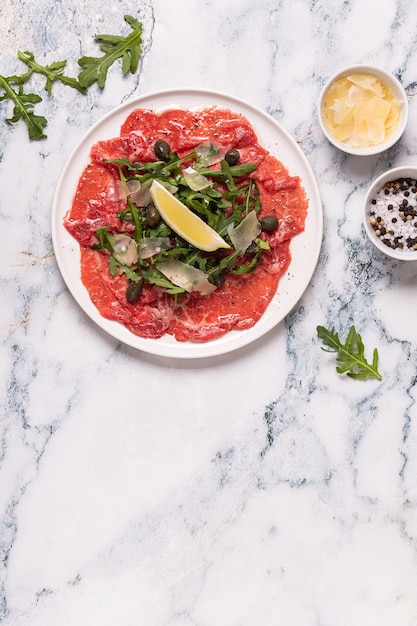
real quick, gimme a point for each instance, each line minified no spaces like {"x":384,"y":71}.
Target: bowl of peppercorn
{"x":390,"y":213}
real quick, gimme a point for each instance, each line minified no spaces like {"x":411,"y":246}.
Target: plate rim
{"x":167,"y":346}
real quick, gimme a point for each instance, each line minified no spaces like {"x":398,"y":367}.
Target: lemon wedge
{"x":183,"y":221}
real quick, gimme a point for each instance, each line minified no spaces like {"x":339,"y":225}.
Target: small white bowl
{"x":389,"y":176}
{"x":392,"y":83}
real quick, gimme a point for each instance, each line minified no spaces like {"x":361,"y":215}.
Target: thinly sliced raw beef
{"x":184,"y":130}
{"x":95,"y":204}
{"x":242,"y":300}
{"x":150,"y":316}
{"x":238,"y":305}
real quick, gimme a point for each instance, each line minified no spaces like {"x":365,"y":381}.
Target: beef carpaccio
{"x":241,"y":300}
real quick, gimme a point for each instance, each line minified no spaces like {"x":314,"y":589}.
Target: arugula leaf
{"x":228,"y":172}
{"x":351,"y":354}
{"x":23,"y":107}
{"x":246,"y":268}
{"x":118,"y":268}
{"x":154,"y":276}
{"x":114,"y":47}
{"x":53,"y":72}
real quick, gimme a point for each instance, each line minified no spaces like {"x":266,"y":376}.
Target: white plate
{"x":305,"y":247}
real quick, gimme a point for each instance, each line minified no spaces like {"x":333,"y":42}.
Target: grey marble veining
{"x":258,"y":487}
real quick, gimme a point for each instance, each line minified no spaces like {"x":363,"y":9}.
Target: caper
{"x":162,"y":150}
{"x":152,"y":216}
{"x":268,"y":222}
{"x":134,"y":290}
{"x":232,"y":157}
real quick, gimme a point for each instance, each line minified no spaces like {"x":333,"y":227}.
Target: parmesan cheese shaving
{"x":360,"y":110}
{"x":243,"y":235}
{"x":194,"y":180}
{"x":185,"y":276}
{"x":125,"y":250}
{"x":149,"y":246}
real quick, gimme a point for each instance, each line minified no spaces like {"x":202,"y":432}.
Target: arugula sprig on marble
{"x":53,"y":72}
{"x":95,"y":69}
{"x":23,"y":106}
{"x":114,"y":47}
{"x":351,"y":354}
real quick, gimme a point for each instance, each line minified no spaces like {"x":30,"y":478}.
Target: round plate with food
{"x":187,"y":223}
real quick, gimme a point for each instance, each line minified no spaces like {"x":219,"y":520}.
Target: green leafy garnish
{"x":23,"y":107}
{"x":351,"y":354}
{"x":53,"y":72}
{"x":114,"y":47}
{"x":95,"y":70}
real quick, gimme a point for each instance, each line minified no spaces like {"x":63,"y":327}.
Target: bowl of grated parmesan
{"x":363,"y":110}
{"x":390,"y":213}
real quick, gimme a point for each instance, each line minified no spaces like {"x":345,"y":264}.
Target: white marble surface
{"x":257,"y":488}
